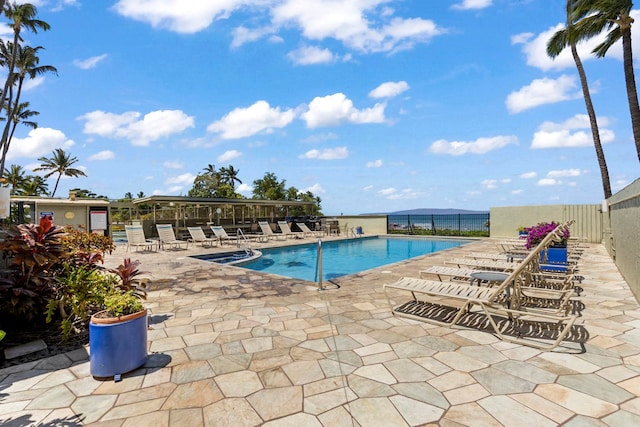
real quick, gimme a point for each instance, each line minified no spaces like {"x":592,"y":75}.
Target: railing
{"x":245,"y":245}
{"x":319,"y":265}
{"x":440,"y":225}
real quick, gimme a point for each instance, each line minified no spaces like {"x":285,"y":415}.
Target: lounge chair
{"x":267,"y":231}
{"x":198,"y":236}
{"x":168,"y":238}
{"x":286,"y":230}
{"x":448,"y":303}
{"x":308,"y":232}
{"x":484,"y":264}
{"x":222,"y":235}
{"x":540,"y":279}
{"x":136,"y":238}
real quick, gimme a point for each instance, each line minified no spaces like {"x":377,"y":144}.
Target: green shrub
{"x":80,"y":291}
{"x":122,"y":303}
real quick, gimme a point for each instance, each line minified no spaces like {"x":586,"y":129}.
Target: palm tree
{"x":128,"y":195}
{"x":21,"y":16}
{"x":556,"y":44}
{"x":15,"y":177}
{"x":26,"y":63}
{"x":34,"y":186}
{"x":19,"y":114}
{"x":592,"y":17}
{"x":210,"y":169}
{"x":59,"y":163}
{"x":229,"y":175}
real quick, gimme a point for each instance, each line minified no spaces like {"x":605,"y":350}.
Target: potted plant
{"x":522,"y":232}
{"x":555,"y":256}
{"x":118,"y":334}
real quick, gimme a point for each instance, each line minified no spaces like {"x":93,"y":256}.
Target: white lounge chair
{"x":222,"y":235}
{"x":198,"y":236}
{"x":136,"y":238}
{"x":308,"y":232}
{"x":286,"y":230}
{"x":168,"y":238}
{"x":267,"y":231}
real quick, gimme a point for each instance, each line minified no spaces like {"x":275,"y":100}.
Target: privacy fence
{"x":468,"y":225}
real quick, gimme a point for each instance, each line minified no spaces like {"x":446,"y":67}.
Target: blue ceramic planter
{"x":117,"y":348}
{"x":556,"y":259}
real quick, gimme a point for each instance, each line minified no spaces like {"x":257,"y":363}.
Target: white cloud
{"x":228,"y":155}
{"x":387,"y":191}
{"x":153,"y":126}
{"x":543,"y":91}
{"x":173,"y":165}
{"x":308,"y":55}
{"x":39,"y":142}
{"x":175,"y":16}
{"x":472,"y":4}
{"x":564,"y":173}
{"x":574,"y":132}
{"x":31,"y":84}
{"x":242,"y":35}
{"x":244,"y":122}
{"x":535,"y":48}
{"x":332,"y":110}
{"x":405,"y":194}
{"x":178,"y":183}
{"x":244,"y":189}
{"x":479,"y":146}
{"x":516,"y":192}
{"x":367,"y":188}
{"x":103,"y":155}
{"x":389,"y":89}
{"x":364,"y":26}
{"x":548,"y":182}
{"x":374,"y":164}
{"x":351,"y":23}
{"x":315,"y":189}
{"x":528,"y":175}
{"x":337,"y":153}
{"x":489,"y":184}
{"x":89,"y":63}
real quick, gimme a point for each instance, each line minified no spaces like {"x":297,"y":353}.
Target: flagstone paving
{"x":235,"y":347}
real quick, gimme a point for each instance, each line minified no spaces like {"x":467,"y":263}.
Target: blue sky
{"x":373,"y":105}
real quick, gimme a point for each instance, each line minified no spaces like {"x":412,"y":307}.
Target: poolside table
{"x":491,"y":277}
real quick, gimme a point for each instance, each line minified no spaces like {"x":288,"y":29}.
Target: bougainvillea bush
{"x":538,"y":232}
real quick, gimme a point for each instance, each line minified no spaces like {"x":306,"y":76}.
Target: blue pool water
{"x":340,"y":258}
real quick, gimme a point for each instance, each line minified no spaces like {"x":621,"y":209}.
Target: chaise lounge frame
{"x":504,"y":300}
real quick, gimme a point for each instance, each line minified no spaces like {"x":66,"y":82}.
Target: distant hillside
{"x":427,"y":211}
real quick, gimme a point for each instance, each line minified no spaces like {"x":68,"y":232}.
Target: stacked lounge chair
{"x":503,"y":307}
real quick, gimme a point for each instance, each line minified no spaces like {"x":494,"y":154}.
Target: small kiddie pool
{"x":229,"y":258}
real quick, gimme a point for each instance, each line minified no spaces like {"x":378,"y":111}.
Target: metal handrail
{"x":319,"y":265}
{"x":247,"y":245}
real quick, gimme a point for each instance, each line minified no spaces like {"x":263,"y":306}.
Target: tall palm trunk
{"x":595,"y":132}
{"x":630,"y":80}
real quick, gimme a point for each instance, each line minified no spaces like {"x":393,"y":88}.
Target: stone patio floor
{"x":232,"y":347}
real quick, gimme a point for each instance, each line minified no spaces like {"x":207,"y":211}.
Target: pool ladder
{"x":244,"y":245}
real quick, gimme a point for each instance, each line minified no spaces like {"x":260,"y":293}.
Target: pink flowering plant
{"x":538,"y":232}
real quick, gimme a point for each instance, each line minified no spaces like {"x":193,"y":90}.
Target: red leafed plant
{"x":32,"y":252}
{"x":128,"y":273}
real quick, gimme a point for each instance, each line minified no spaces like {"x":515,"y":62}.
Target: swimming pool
{"x":343,"y":257}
